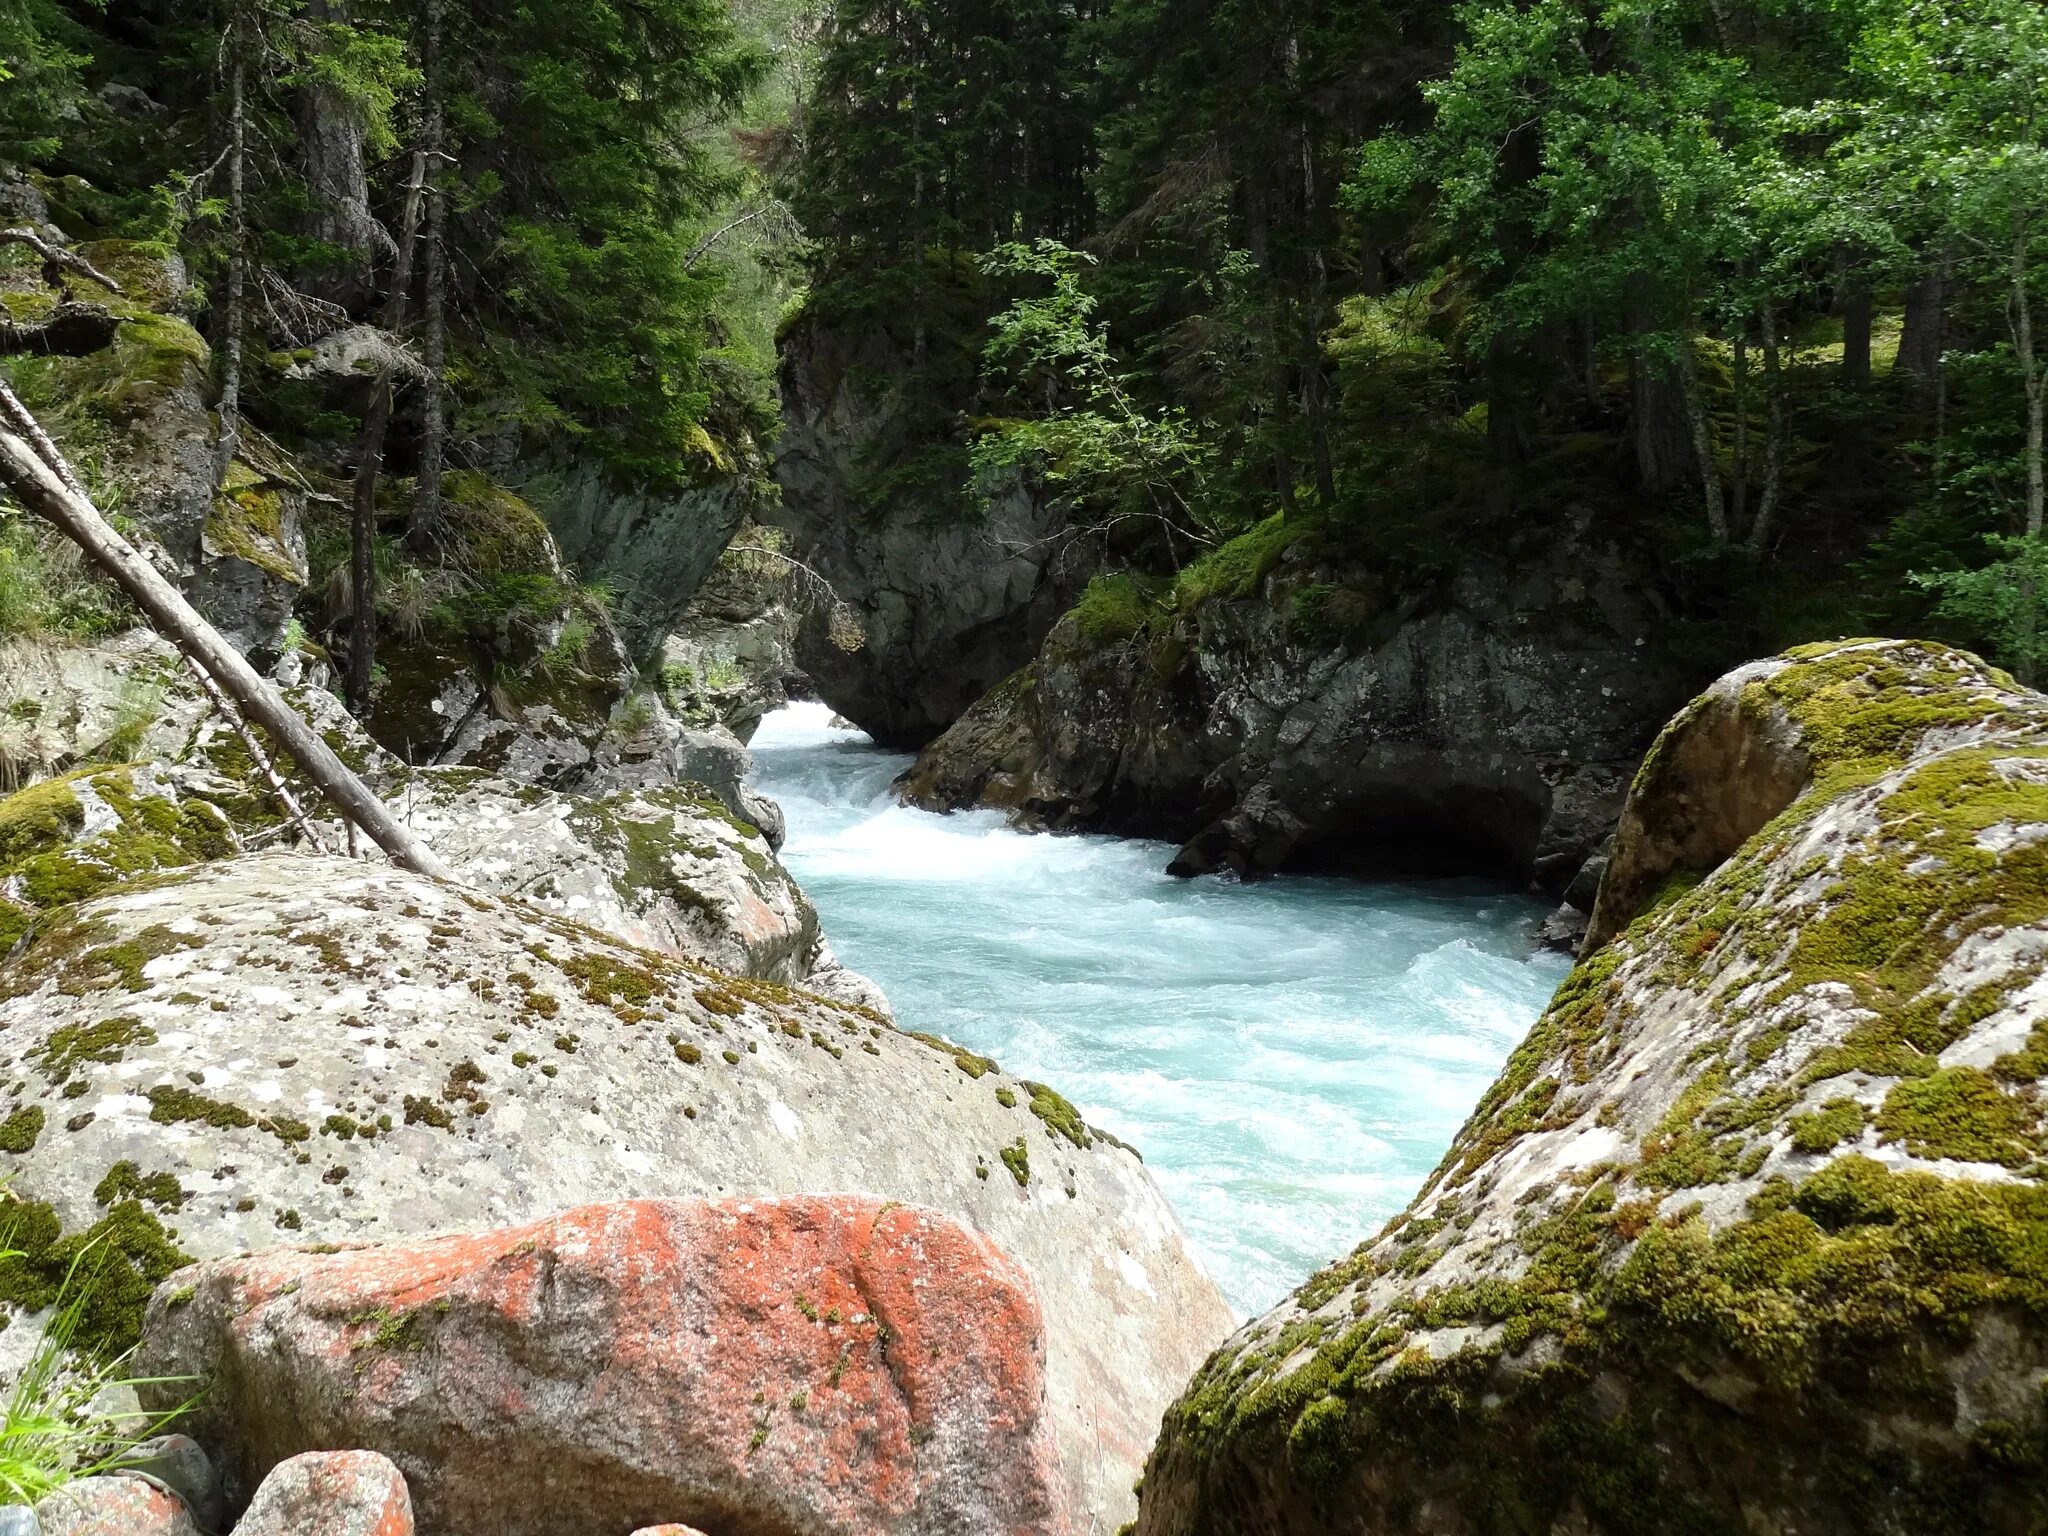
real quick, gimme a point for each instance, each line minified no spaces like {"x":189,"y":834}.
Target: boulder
{"x":1746,"y":1236}
{"x":329,"y":1493}
{"x":828,"y":1365}
{"x":950,"y":598}
{"x":113,"y":1506}
{"x":1286,"y":708}
{"x":288,"y":1048}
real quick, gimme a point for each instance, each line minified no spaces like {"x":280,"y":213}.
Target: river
{"x":1291,"y":1057}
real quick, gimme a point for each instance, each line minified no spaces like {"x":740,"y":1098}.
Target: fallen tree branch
{"x":57,"y":260}
{"x":41,"y":489}
{"x":225,"y":708}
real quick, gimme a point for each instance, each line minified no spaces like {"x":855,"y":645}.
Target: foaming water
{"x":1291,"y":1057}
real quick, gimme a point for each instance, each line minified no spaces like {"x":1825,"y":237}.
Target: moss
{"x":966,"y":1060}
{"x":420,"y":1111}
{"x":39,"y":818}
{"x":1006,"y":1098}
{"x":125,"y":1181}
{"x":1017,"y":1158}
{"x":111,"y":1268}
{"x":1960,"y":1112}
{"x":1234,"y":570}
{"x":1827,"y":1127}
{"x":687,"y":1053}
{"x":612,"y":982}
{"x":171,"y":1105}
{"x":20,"y":1130}
{"x":246,"y":522}
{"x":1060,"y":1117}
{"x":73,"y":1045}
{"x":1112,"y":609}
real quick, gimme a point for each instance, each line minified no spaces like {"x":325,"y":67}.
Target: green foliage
{"x":1094,"y":445}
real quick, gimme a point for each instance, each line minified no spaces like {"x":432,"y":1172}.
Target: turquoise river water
{"x":1291,"y":1057}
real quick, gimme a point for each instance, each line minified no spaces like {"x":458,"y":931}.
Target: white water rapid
{"x":1291,"y":1057}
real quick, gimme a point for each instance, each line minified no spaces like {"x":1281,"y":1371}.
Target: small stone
{"x":330,"y":1493}
{"x":176,"y":1464}
{"x":114,"y":1506}
{"x":20,"y":1520}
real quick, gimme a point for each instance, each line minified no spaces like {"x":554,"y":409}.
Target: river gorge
{"x":1291,"y":1056}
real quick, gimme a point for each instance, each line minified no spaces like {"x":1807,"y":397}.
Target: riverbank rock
{"x":950,"y":598}
{"x":731,"y":658}
{"x":1747,"y":1235}
{"x":1283,"y":708}
{"x":330,"y":1493}
{"x":113,"y":1506}
{"x":288,"y":1048}
{"x":838,"y":1364}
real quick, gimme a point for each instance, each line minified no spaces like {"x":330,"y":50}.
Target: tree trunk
{"x":362,"y":630}
{"x":1702,"y":440}
{"x":425,"y":526}
{"x":1856,"y":332}
{"x":230,"y":407}
{"x":1774,"y":448}
{"x":1659,"y":423}
{"x":1922,"y":338}
{"x":39,"y":488}
{"x":1739,"y":520}
{"x":2022,"y":318}
{"x":331,"y":134}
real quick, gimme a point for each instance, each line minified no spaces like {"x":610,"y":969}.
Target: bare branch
{"x":57,"y":260}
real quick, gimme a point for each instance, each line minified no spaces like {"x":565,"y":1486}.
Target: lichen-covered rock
{"x":113,"y":1506}
{"x":281,"y":1047}
{"x":668,"y":869}
{"x":831,"y":1365}
{"x":1748,"y":1236}
{"x":1288,"y":707}
{"x":329,"y":1493}
{"x":731,"y":657}
{"x":670,"y":866}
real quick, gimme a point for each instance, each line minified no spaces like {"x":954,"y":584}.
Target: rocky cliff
{"x":1284,"y":706}
{"x":1747,"y":1235}
{"x":950,"y":599}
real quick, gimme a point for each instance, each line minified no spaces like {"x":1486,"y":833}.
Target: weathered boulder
{"x":669,"y":869}
{"x":1285,"y":708}
{"x":329,"y":1493}
{"x":113,"y":1506}
{"x":950,"y":599}
{"x":281,"y":1046}
{"x":672,"y":867}
{"x":1748,"y":1234}
{"x":824,"y":1365}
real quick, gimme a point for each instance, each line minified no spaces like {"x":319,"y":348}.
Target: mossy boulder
{"x":1751,"y":1234}
{"x":285,"y":1049}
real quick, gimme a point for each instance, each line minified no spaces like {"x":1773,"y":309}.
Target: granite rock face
{"x":951,"y":599}
{"x":288,"y":1048}
{"x":832,"y":1365}
{"x":1747,"y":1235}
{"x":1317,"y":717}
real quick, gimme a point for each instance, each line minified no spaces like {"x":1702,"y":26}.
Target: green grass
{"x":56,"y":1429}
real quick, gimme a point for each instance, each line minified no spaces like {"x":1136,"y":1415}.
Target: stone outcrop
{"x":818,"y":1365}
{"x":731,"y":658}
{"x":288,"y":1048}
{"x":672,"y":867}
{"x":951,"y":599}
{"x":238,"y":554}
{"x":1747,"y":1234}
{"x":1281,"y":709}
